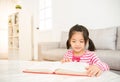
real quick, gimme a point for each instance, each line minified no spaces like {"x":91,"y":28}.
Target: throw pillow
{"x":103,"y":38}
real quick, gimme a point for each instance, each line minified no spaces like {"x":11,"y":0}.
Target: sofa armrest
{"x":44,"y":46}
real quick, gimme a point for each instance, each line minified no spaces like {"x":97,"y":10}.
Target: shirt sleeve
{"x":96,"y":61}
{"x":68,"y":55}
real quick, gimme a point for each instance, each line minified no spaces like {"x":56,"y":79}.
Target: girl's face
{"x":77,"y":43}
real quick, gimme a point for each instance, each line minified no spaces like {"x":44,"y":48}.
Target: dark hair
{"x":80,"y":28}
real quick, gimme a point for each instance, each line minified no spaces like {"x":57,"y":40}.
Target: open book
{"x":68,"y":68}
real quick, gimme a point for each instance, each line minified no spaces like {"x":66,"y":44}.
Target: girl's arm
{"x":96,"y":66}
{"x":96,"y":61}
{"x":67,"y":56}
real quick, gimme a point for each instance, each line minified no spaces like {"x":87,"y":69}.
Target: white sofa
{"x":107,"y":42}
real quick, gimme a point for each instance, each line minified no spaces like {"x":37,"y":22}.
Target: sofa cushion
{"x":110,"y":57}
{"x":54,"y":54}
{"x":64,"y":37}
{"x":118,"y":38}
{"x":103,"y":38}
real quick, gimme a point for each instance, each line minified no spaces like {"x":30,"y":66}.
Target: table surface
{"x":11,"y":71}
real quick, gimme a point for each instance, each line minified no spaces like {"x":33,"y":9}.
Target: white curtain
{"x":6,"y":8}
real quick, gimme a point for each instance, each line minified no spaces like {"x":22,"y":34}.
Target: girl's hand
{"x":65,"y":60}
{"x":94,"y":70}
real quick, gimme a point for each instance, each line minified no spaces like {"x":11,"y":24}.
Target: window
{"x":45,"y":15}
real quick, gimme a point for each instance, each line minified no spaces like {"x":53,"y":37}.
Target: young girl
{"x":78,"y":40}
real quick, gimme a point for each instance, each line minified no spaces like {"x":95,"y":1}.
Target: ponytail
{"x":68,"y":44}
{"x":91,"y":46}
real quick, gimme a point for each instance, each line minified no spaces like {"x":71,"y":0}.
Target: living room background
{"x":65,"y":13}
{"x":93,"y":14}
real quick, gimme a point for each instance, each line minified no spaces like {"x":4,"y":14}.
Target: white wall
{"x":90,"y":13}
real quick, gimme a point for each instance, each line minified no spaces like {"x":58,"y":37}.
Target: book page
{"x":77,"y":68}
{"x":43,"y":67}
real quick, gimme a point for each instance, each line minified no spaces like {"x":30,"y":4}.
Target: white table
{"x":11,"y":71}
